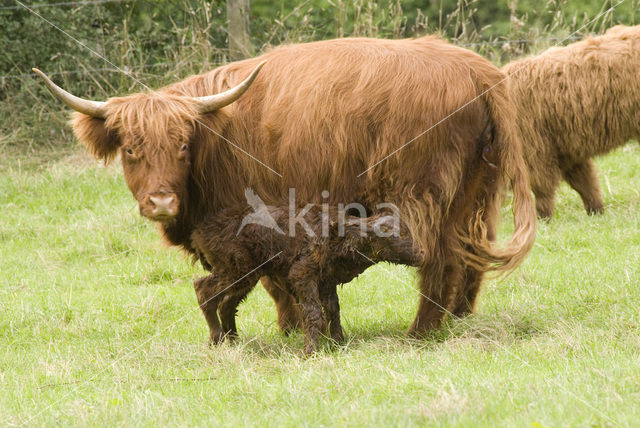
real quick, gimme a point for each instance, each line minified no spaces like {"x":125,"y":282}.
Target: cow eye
{"x":183,"y":148}
{"x":130,"y":151}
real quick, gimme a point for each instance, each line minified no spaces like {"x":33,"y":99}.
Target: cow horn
{"x":214,"y":102}
{"x":91,"y":108}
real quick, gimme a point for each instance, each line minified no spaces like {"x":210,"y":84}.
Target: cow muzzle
{"x":159,"y":206}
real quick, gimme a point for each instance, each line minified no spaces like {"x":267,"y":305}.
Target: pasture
{"x":100,"y":324}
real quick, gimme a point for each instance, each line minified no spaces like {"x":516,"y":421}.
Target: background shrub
{"x":114,"y":47}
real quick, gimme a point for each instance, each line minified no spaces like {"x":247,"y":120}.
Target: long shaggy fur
{"x":320,"y":114}
{"x":574,"y":103}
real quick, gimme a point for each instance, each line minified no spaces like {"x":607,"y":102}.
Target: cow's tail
{"x":479,"y":251}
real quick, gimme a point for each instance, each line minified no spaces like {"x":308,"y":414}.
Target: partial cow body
{"x":420,"y":124}
{"x":574,"y":103}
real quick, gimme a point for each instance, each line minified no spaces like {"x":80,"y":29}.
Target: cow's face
{"x":157,"y":177}
{"x":153,"y":133}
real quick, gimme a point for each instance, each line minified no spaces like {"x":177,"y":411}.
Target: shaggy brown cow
{"x":574,"y":103}
{"x":310,"y":262}
{"x":418,"y":123}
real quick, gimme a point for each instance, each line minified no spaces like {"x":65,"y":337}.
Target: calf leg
{"x":331,"y":305}
{"x":209,"y":304}
{"x":304,"y":283}
{"x":227,"y":311}
{"x":288,"y":316}
{"x":210,"y":291}
{"x":583,"y":178}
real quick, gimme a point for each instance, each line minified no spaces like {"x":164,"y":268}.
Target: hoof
{"x":216,"y":337}
{"x":544,"y":216}
{"x":309,"y":349}
{"x":421,"y":332}
{"x":288,"y":325}
{"x":595,"y":210}
{"x":289,"y":320}
{"x":337,"y":337}
{"x":544,"y":210}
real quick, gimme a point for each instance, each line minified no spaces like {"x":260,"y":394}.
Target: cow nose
{"x":163,"y":205}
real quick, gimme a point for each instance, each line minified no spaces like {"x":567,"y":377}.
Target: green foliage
{"x":116,"y":47}
{"x":135,"y":34}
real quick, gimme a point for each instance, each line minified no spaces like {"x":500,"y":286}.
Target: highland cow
{"x":407,"y":122}
{"x":574,"y":103}
{"x":309,"y":261}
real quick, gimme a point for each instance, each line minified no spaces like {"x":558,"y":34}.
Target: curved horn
{"x":91,"y":108}
{"x":214,"y":102}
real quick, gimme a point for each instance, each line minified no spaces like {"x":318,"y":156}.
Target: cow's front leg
{"x":288,"y":315}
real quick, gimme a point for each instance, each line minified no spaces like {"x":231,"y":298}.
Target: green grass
{"x":99,"y":324}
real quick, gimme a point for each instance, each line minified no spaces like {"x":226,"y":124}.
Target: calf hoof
{"x":231,"y":336}
{"x":229,"y":328}
{"x":309,"y":349}
{"x":463,"y":309}
{"x":215,"y":337}
{"x":337,"y":336}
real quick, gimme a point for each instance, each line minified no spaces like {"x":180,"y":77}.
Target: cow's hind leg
{"x":583,"y":178}
{"x":472,"y":279}
{"x":439,"y":287}
{"x":466,"y":301}
{"x":544,"y":185}
{"x":288,"y":316}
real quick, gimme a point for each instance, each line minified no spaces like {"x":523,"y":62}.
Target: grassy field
{"x":99,"y":324}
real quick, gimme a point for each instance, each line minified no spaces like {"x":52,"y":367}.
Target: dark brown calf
{"x":308,"y":263}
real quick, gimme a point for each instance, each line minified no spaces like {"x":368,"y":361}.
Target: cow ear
{"x":92,"y":132}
